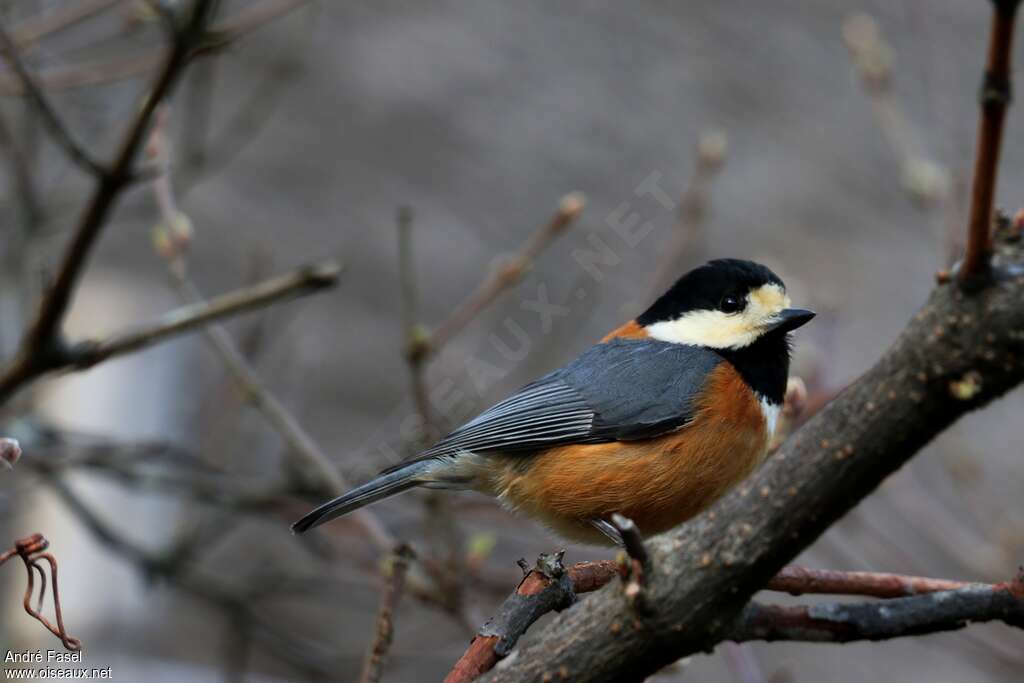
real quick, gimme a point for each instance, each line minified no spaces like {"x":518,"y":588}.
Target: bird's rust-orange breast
{"x":658,"y":483}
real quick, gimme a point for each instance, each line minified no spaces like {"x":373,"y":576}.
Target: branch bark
{"x":547,"y":587}
{"x":704,"y":573}
{"x":899,"y":618}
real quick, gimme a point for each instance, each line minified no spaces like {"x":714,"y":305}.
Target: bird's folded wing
{"x":624,"y":389}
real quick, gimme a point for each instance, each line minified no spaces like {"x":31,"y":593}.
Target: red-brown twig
{"x":31,"y":550}
{"x":995,"y":98}
{"x":394,"y":573}
{"x":797,"y":580}
{"x":546,"y":588}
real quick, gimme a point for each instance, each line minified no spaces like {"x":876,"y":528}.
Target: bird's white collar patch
{"x":771,"y":412}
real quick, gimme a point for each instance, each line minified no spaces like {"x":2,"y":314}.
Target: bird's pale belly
{"x":658,"y":483}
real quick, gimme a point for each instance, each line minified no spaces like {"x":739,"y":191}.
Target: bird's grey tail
{"x":391,"y":482}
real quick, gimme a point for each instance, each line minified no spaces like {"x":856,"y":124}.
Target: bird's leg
{"x":609,"y":530}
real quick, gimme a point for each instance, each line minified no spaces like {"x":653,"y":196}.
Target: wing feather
{"x":622,"y":389}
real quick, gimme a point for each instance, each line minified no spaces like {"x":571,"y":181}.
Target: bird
{"x":654,"y":422}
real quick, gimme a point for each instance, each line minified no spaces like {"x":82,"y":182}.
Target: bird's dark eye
{"x":731,"y":304}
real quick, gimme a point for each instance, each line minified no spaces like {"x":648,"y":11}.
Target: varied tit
{"x":655,"y":422}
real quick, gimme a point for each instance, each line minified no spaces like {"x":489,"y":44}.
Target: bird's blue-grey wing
{"x":623,"y":389}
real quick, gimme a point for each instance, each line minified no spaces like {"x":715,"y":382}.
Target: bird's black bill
{"x":792,"y":318}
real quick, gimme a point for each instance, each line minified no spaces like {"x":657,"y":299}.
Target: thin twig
{"x":414,"y":333}
{"x":59,"y":18}
{"x":57,"y":128}
{"x":394,"y":574}
{"x":24,"y":184}
{"x":31,"y":550}
{"x":248,"y":20}
{"x":172,"y":246}
{"x":299,"y":441}
{"x":569,"y":209}
{"x":170,"y":565}
{"x":798,"y":580}
{"x":193,"y":316}
{"x":122,"y":67}
{"x":421,"y":345}
{"x":682,"y":245}
{"x":925,"y":180}
{"x":107,"y":70}
{"x":995,"y":98}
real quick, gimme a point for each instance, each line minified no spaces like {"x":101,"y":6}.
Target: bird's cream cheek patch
{"x":719,"y":330}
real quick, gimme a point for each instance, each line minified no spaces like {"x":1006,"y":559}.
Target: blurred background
{"x":831,"y":141}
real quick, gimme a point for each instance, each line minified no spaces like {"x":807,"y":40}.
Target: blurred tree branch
{"x":85,"y":354}
{"x":57,"y":128}
{"x":121,"y":67}
{"x":43,"y":341}
{"x":394,"y":578}
{"x":31,"y":31}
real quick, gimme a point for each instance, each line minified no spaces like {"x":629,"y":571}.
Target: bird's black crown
{"x":708,"y":286}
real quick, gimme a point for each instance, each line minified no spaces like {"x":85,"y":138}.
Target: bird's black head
{"x":724,"y":304}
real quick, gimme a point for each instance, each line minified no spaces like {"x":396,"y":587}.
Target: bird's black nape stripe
{"x":764,"y":365}
{"x":703,"y":288}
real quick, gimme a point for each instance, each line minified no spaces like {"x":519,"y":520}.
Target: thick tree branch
{"x":704,"y":573}
{"x":548,"y":588}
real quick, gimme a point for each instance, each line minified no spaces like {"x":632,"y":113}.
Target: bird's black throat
{"x":763,"y":365}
